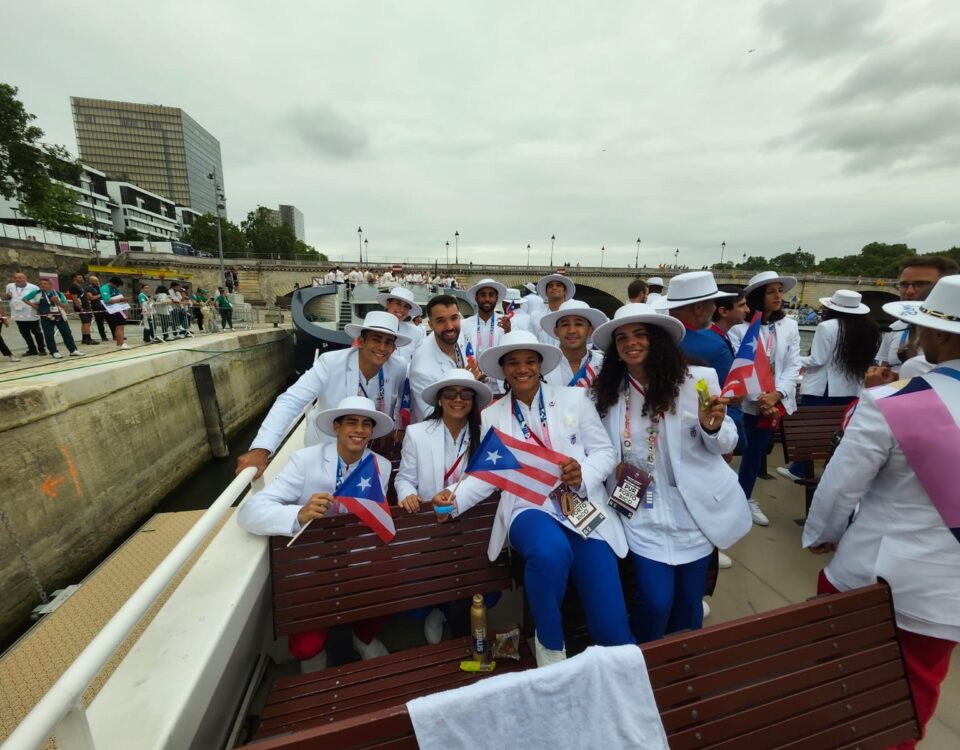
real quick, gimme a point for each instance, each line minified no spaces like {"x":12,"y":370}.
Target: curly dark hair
{"x":666,"y":369}
{"x":857,"y":343}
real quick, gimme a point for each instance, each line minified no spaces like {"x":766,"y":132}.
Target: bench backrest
{"x":808,"y":432}
{"x":339,"y":571}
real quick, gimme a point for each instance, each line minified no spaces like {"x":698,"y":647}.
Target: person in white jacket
{"x":554,"y":289}
{"x":843,"y":349}
{"x":306,"y":489}
{"x":573,"y":325}
{"x":781,"y":338}
{"x":435,"y":453}
{"x":647,"y":398}
{"x":552,"y":547}
{"x":365,"y":370}
{"x":400,"y":302}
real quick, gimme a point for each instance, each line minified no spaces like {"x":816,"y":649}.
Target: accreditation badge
{"x":630,"y":490}
{"x":582,"y":514}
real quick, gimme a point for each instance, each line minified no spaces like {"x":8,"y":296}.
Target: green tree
{"x":877,"y":259}
{"x":755,"y":262}
{"x":796,"y":262}
{"x":267,"y":237}
{"x":56,"y":208}
{"x":202,"y":235}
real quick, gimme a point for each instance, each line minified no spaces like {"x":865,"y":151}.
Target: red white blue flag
{"x":468,"y":350}
{"x":527,"y":470}
{"x":511,"y":309}
{"x":750,"y":373}
{"x":362,"y":494}
{"x":404,"y":410}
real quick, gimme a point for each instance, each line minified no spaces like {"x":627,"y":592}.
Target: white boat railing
{"x":61,"y":712}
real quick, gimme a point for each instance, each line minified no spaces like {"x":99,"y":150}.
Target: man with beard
{"x":485,"y":329}
{"x":554,"y":289}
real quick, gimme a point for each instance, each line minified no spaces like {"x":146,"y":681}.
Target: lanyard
{"x":461,"y":451}
{"x":529,"y":434}
{"x":585,"y":373}
{"x":653,"y":431}
{"x":362,"y":391}
{"x":493,"y":321}
{"x":341,"y":467}
{"x":459,"y":357}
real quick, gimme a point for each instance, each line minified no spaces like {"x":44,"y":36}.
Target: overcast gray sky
{"x":825,"y":124}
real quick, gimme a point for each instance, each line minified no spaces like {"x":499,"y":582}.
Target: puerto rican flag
{"x":404,"y":410}
{"x":524,"y":469}
{"x":362,"y":494}
{"x":471,"y":357}
{"x":511,"y":309}
{"x":750,"y":373}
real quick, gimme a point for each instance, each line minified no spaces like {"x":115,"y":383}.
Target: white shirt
{"x":915,"y":366}
{"x":542,"y":336}
{"x":415,"y":333}
{"x":562,"y":374}
{"x":483,"y":335}
{"x":428,"y":365}
{"x":429,"y":451}
{"x":822,"y":376}
{"x":20,"y":310}
{"x":890,"y":344}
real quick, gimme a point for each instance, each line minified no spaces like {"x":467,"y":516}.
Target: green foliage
{"x":268,"y":238}
{"x":202,"y":235}
{"x":875,"y":260}
{"x":55,"y":207}
{"x":795,"y":262}
{"x":755,"y":263}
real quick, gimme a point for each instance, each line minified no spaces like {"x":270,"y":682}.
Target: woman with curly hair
{"x":677,"y":497}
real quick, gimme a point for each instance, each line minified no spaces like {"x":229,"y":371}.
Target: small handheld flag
{"x":404,"y":410}
{"x":511,"y":309}
{"x":362,"y":494}
{"x":524,"y":469}
{"x":750,"y":373}
{"x":468,"y":350}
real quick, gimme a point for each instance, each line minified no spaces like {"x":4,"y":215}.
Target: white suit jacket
{"x":422,"y":461}
{"x":273,"y":510}
{"x":426,"y":367}
{"x":820,"y":369}
{"x":786,"y":362}
{"x":897,"y":535}
{"x":575,"y":431}
{"x":333,"y":377}
{"x":405,"y":353}
{"x":707,"y":484}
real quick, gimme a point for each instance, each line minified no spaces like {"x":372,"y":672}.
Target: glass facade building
{"x":161,"y":149}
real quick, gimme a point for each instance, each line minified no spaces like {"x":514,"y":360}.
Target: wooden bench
{"x":339,"y":572}
{"x":825,"y":674}
{"x":809,"y":435}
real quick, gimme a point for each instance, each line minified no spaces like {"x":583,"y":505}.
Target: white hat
{"x":637,"y":312}
{"x":694,"y":286}
{"x":940,"y":310}
{"x":359,"y":406}
{"x":770,"y":277}
{"x":483,"y":283}
{"x":377,"y":320}
{"x":530,"y":287}
{"x":845,"y":301}
{"x":572,"y":307}
{"x":655,"y":281}
{"x":402,"y":294}
{"x":463,"y":379}
{"x":542,"y":284}
{"x":516,"y":340}
{"x":513,"y":295}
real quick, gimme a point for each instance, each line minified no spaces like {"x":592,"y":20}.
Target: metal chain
{"x":23,"y":558}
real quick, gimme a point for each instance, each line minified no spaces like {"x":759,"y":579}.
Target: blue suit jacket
{"x":710,"y":350}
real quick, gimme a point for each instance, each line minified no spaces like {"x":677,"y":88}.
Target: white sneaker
{"x":314,"y":663}
{"x":724,"y":561}
{"x":759,"y":518}
{"x":57,"y":355}
{"x":433,"y":627}
{"x":546,"y":656}
{"x":785,"y":472}
{"x":124,"y":346}
{"x":369,"y":650}
{"x":14,"y":359}
{"x":706,"y":609}
{"x":76,"y":353}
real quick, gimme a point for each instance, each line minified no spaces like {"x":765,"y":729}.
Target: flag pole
{"x":302,"y":529}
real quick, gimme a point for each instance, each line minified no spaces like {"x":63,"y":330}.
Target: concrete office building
{"x":161,"y":149}
{"x":289,"y":216}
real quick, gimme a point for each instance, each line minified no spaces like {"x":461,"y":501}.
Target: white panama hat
{"x":940,"y":310}
{"x":489,"y":359}
{"x":380,"y":321}
{"x":770,"y":277}
{"x":575,"y":308}
{"x":655,"y":281}
{"x":530,"y":287}
{"x":482,"y":284}
{"x":355,"y":406}
{"x":513,"y":295}
{"x":637,"y":312}
{"x":458,"y":378}
{"x":402,"y":294}
{"x":695,"y":286}
{"x":845,"y":301}
{"x":542,"y":284}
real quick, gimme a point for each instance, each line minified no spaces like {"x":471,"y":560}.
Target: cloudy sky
{"x":773,"y":124}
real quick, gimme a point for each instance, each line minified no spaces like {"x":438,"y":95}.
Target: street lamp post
{"x":366,"y":246}
{"x":637,"y":264}
{"x":603,"y":249}
{"x":676,"y":258}
{"x":360,"y":239}
{"x":448,"y":252}
{"x":723,"y":247}
{"x":218,"y":197}
{"x":456,"y":248}
{"x":553,"y":238}
{"x":528,"y":255}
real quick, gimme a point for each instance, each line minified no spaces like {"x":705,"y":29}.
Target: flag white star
{"x":753,"y":343}
{"x":365,"y":483}
{"x":493,"y":457}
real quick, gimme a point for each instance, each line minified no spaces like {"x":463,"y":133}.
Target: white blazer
{"x":821,"y":373}
{"x":786,"y":362}
{"x":334,"y":376}
{"x":707,"y":484}
{"x":273,"y":510}
{"x":427,"y":367}
{"x":897,"y":535}
{"x":422,"y":460}
{"x":575,"y":431}
{"x":562,"y":374}
{"x":416,"y":333}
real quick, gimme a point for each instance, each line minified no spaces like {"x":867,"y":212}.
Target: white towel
{"x":601,"y":698}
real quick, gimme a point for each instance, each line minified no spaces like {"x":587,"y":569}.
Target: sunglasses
{"x":452,"y":394}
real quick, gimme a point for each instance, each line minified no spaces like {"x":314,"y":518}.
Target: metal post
{"x":216,"y":202}
{"x":723,"y":247}
{"x":528,"y":255}
{"x":676,"y":258}
{"x":637,"y":264}
{"x":553,"y":238}
{"x":456,"y":248}
{"x":360,"y":236}
{"x":603,"y":249}
{"x":366,"y":246}
{"x":448,"y":252}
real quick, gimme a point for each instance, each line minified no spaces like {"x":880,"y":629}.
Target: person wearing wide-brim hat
{"x":306,"y":489}
{"x":761,"y":412}
{"x":553,"y":551}
{"x":843,"y":349}
{"x":553,"y":289}
{"x":894,"y":474}
{"x":400,"y":302}
{"x":368,"y":369}
{"x":573,"y":325}
{"x":533,"y":302}
{"x":655,"y":292}
{"x":647,"y":397}
{"x":486,"y":326}
{"x":518,"y":308}
{"x":692,"y":299}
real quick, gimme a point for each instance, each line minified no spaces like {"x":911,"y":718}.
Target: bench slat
{"x":898,"y":714}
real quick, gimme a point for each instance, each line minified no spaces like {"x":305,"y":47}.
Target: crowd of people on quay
{"x":356,"y":275}
{"x":656,"y":447}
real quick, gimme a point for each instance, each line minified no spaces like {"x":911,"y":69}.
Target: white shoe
{"x":724,"y":561}
{"x":785,"y":472}
{"x":14,"y":359}
{"x":759,"y":518}
{"x":433,"y":627}
{"x":546,"y":656}
{"x":124,"y":346}
{"x":369,"y":650}
{"x":706,"y":609}
{"x":314,"y":663}
{"x":57,"y":355}
{"x":76,"y":353}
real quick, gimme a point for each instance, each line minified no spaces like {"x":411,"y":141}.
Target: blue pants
{"x":551,"y":554}
{"x":758,"y":440}
{"x":800,"y":467}
{"x":667,"y":598}
{"x":48,"y":327}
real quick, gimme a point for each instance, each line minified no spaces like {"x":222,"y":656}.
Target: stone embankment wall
{"x":89,"y":451}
